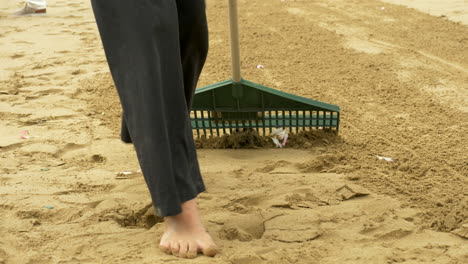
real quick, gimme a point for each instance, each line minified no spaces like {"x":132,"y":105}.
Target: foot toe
{"x":175,"y":248}
{"x":183,"y":248}
{"x":165,"y":248}
{"x":192,"y":250}
{"x":210,"y":251}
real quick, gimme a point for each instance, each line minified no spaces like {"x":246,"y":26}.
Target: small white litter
{"x":385,"y":158}
{"x":26,"y":135}
{"x":126,"y":174}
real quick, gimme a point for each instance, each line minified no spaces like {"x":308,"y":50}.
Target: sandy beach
{"x":454,"y":10}
{"x":398,"y":70}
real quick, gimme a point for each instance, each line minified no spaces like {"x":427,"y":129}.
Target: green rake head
{"x":238,"y":105}
{"x":228,"y":107}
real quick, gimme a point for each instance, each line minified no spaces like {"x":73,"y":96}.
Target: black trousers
{"x":156,"y":50}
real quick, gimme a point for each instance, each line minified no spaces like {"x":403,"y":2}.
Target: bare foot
{"x":185,"y":235}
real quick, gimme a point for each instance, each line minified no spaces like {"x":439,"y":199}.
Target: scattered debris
{"x":277,"y":135}
{"x":385,"y":158}
{"x":347,"y":192}
{"x":49,"y":207}
{"x":44,"y":169}
{"x":260,"y":66}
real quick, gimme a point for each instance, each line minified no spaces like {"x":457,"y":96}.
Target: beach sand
{"x":454,"y":10}
{"x":399,"y":75}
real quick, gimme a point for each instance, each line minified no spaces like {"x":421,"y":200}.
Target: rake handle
{"x":235,"y":46}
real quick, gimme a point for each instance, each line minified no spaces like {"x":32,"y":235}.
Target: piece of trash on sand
{"x":126,"y":174}
{"x":385,"y":158}
{"x":382,"y":8}
{"x":44,"y":169}
{"x":49,"y":207}
{"x":260,"y":66}
{"x":462,"y":231}
{"x":25,"y":135}
{"x":277,"y":135}
{"x":347,"y":192}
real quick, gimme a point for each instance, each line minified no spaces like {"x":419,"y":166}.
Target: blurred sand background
{"x":454,"y":10}
{"x":399,"y":74}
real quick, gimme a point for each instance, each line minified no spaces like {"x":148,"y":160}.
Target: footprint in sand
{"x":69,"y":148}
{"x":295,"y":199}
{"x":244,"y":227}
{"x":244,"y":203}
{"x":306,"y":227}
{"x":274,"y":165}
{"x":143,"y":217}
{"x":386,"y":227}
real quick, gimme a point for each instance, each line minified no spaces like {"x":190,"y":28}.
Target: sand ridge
{"x":403,"y":95}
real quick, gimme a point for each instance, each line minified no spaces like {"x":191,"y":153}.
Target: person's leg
{"x":141,"y":42}
{"x":193,"y":35}
{"x":193,"y":38}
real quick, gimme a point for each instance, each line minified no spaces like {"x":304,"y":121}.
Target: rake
{"x":239,"y":105}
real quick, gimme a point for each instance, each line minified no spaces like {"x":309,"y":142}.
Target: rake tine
{"x":271,"y":121}
{"x":203,"y":122}
{"x":276,"y":119}
{"x":297,"y":122}
{"x":196,"y":123}
{"x":256,"y":123}
{"x":209,"y":122}
{"x":216,"y":122}
{"x":224,"y":126}
{"x":283,"y":114}
{"x":304,"y":120}
{"x":238,"y":99}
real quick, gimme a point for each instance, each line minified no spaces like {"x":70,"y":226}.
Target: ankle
{"x":189,"y":218}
